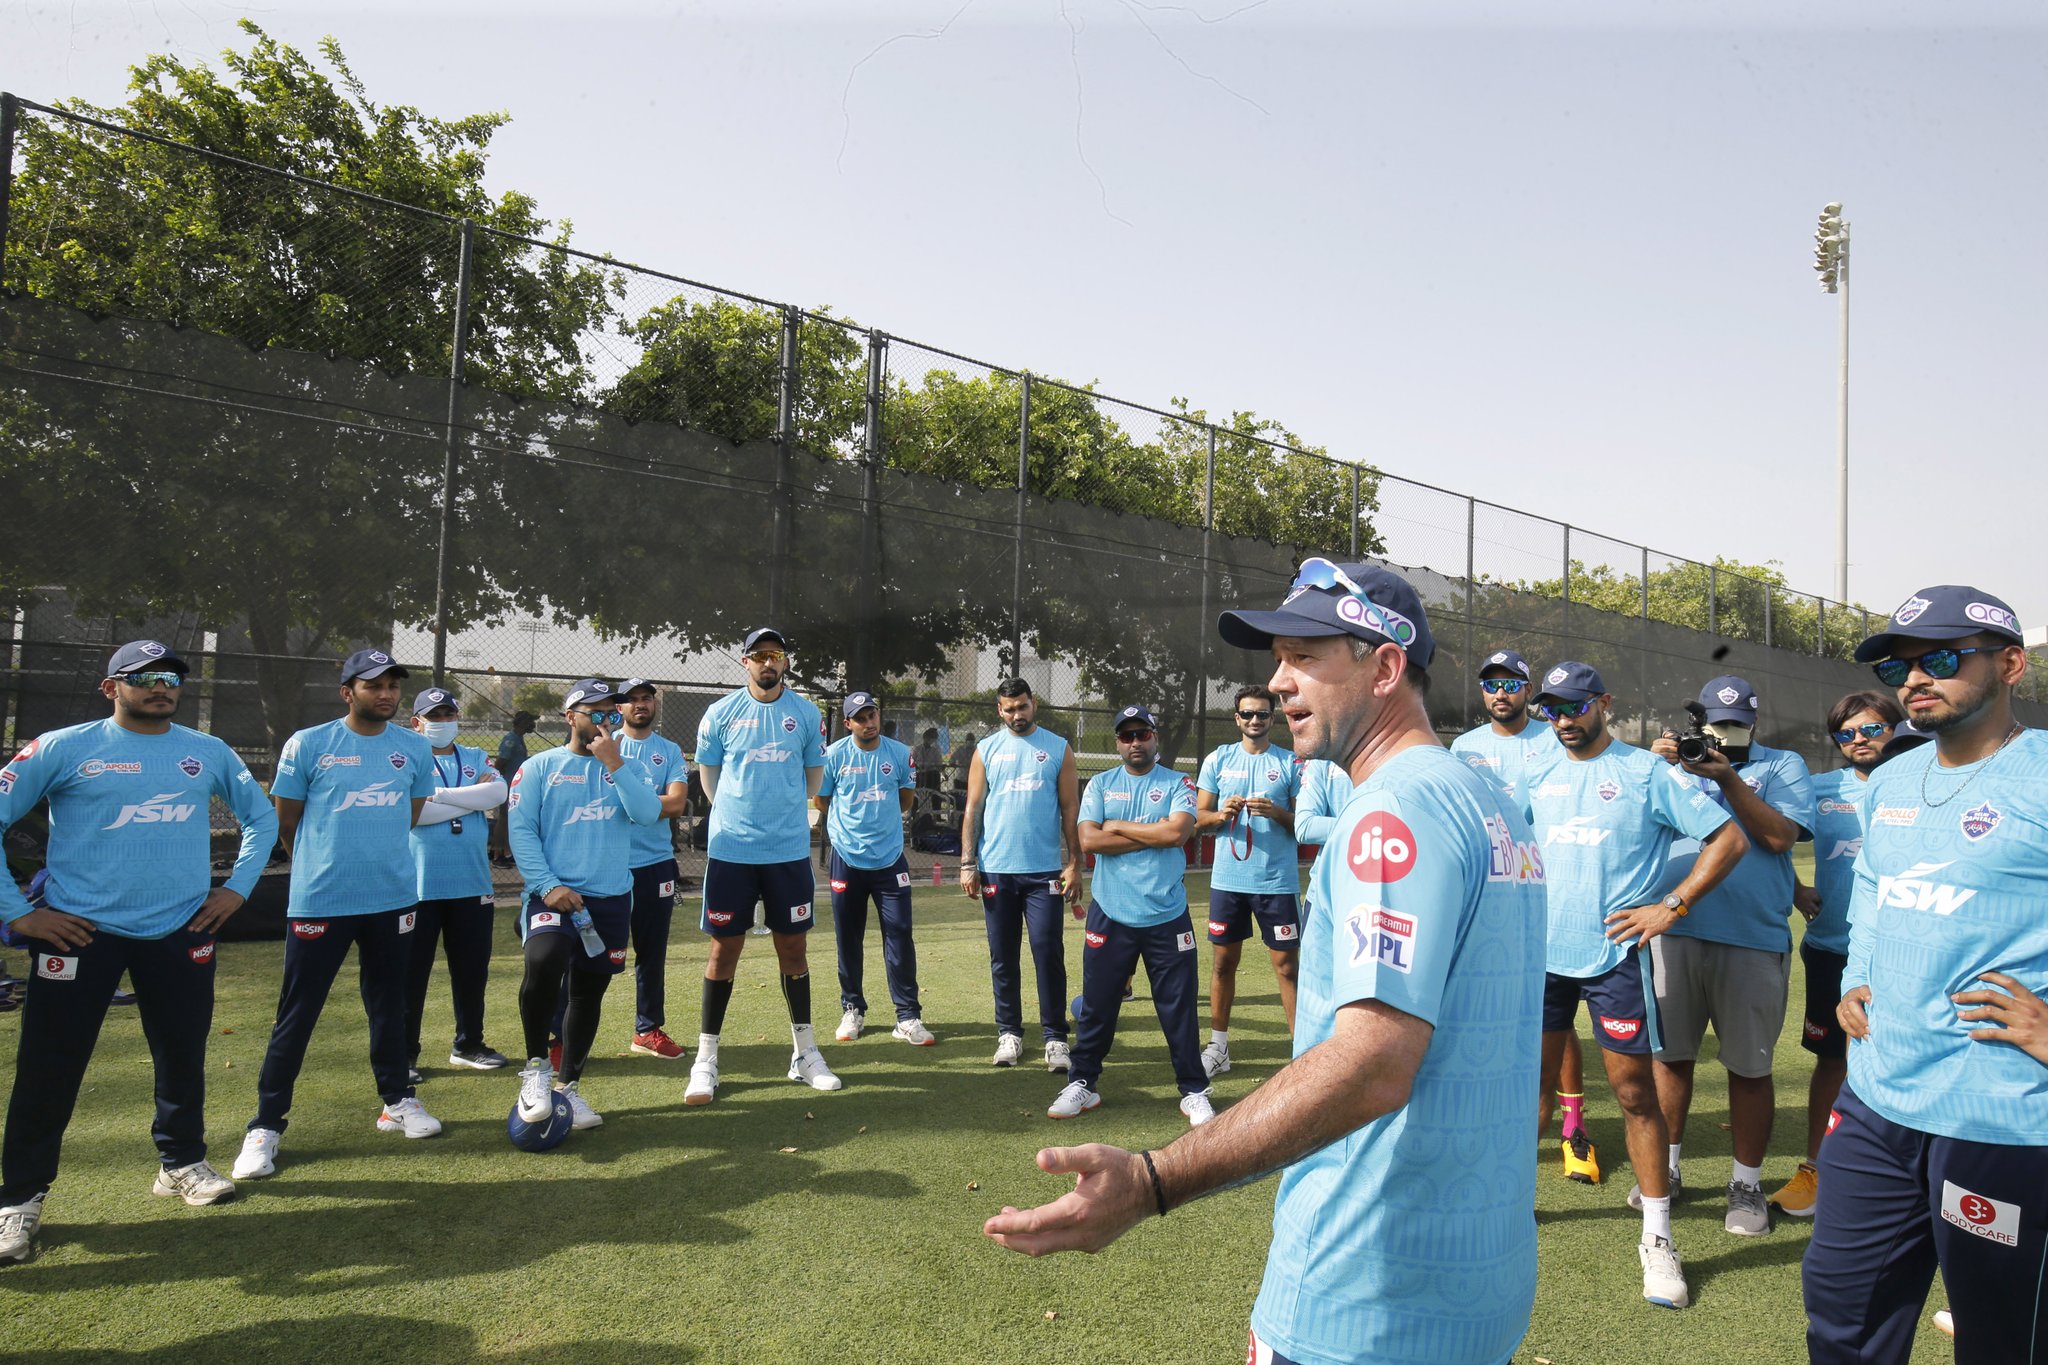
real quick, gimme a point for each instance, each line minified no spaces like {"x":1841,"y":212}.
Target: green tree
{"x":1737,"y":600}
{"x":298,"y":495}
{"x":1264,"y":488}
{"x":539,"y":696}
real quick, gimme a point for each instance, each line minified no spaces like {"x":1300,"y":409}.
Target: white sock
{"x":707,"y":1046}
{"x":1220,"y":1037}
{"x":1749,"y":1175}
{"x":1676,"y":1148}
{"x":800,"y":1034}
{"x":1656,"y":1218}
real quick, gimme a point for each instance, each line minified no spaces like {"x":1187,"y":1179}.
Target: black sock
{"x":797,"y":991}
{"x":717,"y":995}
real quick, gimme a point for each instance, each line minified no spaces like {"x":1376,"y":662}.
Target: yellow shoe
{"x":1581,"y":1162}
{"x":1795,"y":1199}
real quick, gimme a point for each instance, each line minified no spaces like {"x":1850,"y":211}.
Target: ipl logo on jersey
{"x":1981,"y":821}
{"x":1383,"y":936}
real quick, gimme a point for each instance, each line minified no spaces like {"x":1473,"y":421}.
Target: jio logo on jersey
{"x":1381,"y":848}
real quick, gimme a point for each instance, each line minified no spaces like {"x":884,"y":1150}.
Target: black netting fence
{"x":270,"y":420}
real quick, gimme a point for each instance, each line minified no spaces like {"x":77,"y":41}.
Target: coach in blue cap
{"x":1416,"y":1039}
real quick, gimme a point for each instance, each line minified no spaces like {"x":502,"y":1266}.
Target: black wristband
{"x":1158,"y":1190}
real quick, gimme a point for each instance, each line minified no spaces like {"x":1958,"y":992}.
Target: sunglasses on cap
{"x":1935,"y":663}
{"x":1495,"y":686}
{"x":1134,"y":734}
{"x":152,"y":678}
{"x":1869,"y":730}
{"x":1566,"y":710}
{"x":1317,"y":572}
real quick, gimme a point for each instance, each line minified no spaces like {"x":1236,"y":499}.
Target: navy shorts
{"x":1231,"y":914}
{"x":1822,"y":1032}
{"x":1624,"y":1014}
{"x":731,"y":890}
{"x":611,"y":916}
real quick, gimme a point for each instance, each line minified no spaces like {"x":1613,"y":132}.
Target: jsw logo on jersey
{"x":374,"y":796}
{"x":1844,"y":848}
{"x":1022,"y":784}
{"x":1579,"y":831}
{"x":600,"y":809}
{"x":769,"y":753}
{"x":155,"y":811}
{"x":1910,"y":890}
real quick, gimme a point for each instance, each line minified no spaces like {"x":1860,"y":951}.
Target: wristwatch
{"x":1675,"y":903}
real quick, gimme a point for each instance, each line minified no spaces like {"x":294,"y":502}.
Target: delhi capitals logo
{"x":150,"y":649}
{"x":190,"y":766}
{"x":1498,"y":659}
{"x":1980,"y":821}
{"x":376,"y":657}
{"x":1038,"y":755}
{"x":1554,"y":677}
{"x":1154,"y":796}
{"x":1608,"y":790}
{"x":398,"y":761}
{"x":1729,"y":696}
{"x":1909,"y":611}
{"x":789,"y":724}
{"x":888,"y":768}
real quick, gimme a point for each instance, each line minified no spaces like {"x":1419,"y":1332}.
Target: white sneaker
{"x":581,"y":1115}
{"x":1197,"y":1108}
{"x":1215,"y":1059}
{"x":258,"y":1156}
{"x":850,"y":1025}
{"x":1009,"y":1049}
{"x":913,"y":1032}
{"x":18,"y":1224}
{"x":1663,"y":1278}
{"x":536,"y":1088}
{"x":703,"y":1080}
{"x":809,"y":1067}
{"x":198,"y":1184}
{"x":1075,"y":1100}
{"x":409,"y":1117}
{"x":1058,"y":1056}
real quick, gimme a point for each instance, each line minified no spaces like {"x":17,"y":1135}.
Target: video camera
{"x":1698,"y":740}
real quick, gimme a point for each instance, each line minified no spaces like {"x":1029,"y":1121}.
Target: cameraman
{"x":1730,"y":964}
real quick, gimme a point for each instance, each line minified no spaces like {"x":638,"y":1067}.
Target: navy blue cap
{"x":1572,"y":681}
{"x":857,"y":702}
{"x":760,"y":633}
{"x":629,"y":684}
{"x":587,"y":690}
{"x":145,"y":656}
{"x":1134,"y":713}
{"x":1390,"y":611}
{"x":1729,"y":698}
{"x":1905,"y":735}
{"x":370,"y":663}
{"x":1948,"y":611}
{"x":433,"y":697}
{"x":1505,"y":658}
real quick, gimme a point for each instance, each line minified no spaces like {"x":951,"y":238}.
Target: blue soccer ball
{"x":543,"y":1136}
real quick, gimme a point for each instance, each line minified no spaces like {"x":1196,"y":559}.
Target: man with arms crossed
{"x":1605,"y":815}
{"x":761,"y":758}
{"x":1245,"y":796}
{"x":1023,"y":797}
{"x":129,"y":890}
{"x":1937,"y":1155}
{"x":1403,"y":1231}
{"x":348,"y":794}
{"x":869,"y":787}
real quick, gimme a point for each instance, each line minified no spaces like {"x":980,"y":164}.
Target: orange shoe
{"x":1581,"y":1162}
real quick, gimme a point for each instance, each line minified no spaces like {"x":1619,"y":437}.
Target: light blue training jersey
{"x":569,"y":822}
{"x":1145,"y":886}
{"x":1837,"y":839}
{"x":1273,"y":865}
{"x":865,"y":816}
{"x":352,"y":854}
{"x":1325,"y":788}
{"x":761,"y":750}
{"x":1606,"y":827}
{"x":1945,"y":892}
{"x":447,"y":865}
{"x":1509,"y":759}
{"x":1752,"y":907}
{"x":1020,"y":815}
{"x":1412,"y":1240}
{"x":663,"y":759}
{"x":130,"y":839}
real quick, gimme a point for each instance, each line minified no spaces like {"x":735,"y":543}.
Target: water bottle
{"x":592,"y":944}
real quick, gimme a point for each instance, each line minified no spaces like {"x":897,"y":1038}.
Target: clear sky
{"x":1563,"y":263}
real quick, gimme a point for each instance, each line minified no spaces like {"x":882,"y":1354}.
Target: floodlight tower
{"x":1831,"y":260}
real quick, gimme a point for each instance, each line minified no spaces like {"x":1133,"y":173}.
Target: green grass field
{"x":674,"y":1234}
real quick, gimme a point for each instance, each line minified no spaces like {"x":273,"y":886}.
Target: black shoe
{"x":122,"y":997}
{"x":479,"y":1059}
{"x":412,"y":1076}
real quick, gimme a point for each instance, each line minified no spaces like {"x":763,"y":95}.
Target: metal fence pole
{"x":444,"y":552}
{"x":1646,"y":581}
{"x":1354,"y":512}
{"x":1567,"y":579}
{"x":10,"y":110}
{"x":1820,"y":626}
{"x":1017,"y":553}
{"x":861,"y":664}
{"x":785,"y":442}
{"x":1202,"y":634}
{"x":1713,"y":591}
{"x":1472,"y":707}
{"x":1767,"y":616}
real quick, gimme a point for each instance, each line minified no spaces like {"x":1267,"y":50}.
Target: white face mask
{"x":440,"y":733}
{"x":1730,"y":734}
